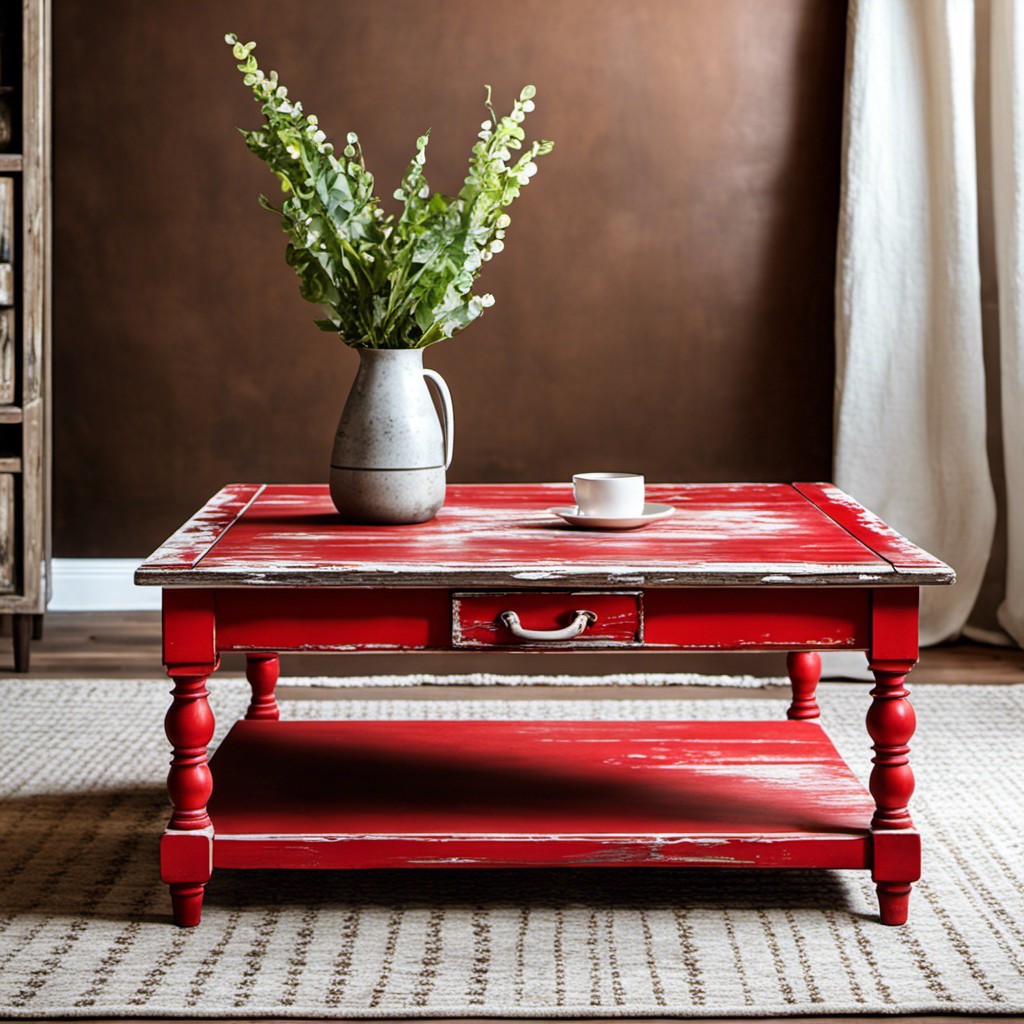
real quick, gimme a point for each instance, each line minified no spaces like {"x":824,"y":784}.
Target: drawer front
{"x":477,"y":621}
{"x":8,"y":534}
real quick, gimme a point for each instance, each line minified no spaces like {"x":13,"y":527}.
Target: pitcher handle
{"x":447,"y":413}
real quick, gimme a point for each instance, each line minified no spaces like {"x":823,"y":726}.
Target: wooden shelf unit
{"x":25,"y":416}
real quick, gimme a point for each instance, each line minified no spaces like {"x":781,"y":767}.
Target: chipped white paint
{"x":472,"y":613}
{"x":305,"y":572}
{"x":764,"y":535}
{"x":187,"y":545}
{"x":903,"y":554}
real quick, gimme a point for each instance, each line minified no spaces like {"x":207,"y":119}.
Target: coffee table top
{"x":501,"y":535}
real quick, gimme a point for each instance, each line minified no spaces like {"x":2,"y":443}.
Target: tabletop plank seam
{"x":223,"y":533}
{"x":845,"y":529}
{"x":899,"y":568}
{"x":156,"y":565}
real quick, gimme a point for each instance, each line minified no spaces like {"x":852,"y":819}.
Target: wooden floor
{"x":127,"y":645}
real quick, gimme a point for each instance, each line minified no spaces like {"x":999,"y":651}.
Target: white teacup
{"x":609,"y":495}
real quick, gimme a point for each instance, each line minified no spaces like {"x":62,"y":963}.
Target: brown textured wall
{"x":664,"y":303}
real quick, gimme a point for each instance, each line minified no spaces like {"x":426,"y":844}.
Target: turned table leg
{"x":804,"y":669}
{"x":186,"y":847}
{"x":21,"y":630}
{"x":262,"y":671}
{"x":897,"y":850}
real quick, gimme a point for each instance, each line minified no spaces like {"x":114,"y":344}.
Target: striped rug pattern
{"x":84,"y":919}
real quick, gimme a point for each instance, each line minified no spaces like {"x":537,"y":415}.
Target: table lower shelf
{"x":371,"y":794}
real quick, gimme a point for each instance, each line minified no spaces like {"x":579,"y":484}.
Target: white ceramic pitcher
{"x":390,"y":455}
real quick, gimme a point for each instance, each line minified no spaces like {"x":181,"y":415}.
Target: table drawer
{"x":483,"y":619}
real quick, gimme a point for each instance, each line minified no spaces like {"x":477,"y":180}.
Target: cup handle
{"x":447,"y":413}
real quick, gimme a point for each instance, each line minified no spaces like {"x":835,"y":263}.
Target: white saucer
{"x":572,"y":515}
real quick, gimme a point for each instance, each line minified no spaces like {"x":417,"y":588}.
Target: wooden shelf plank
{"x":11,"y":414}
{"x":333,"y":794}
{"x":10,"y":464}
{"x":10,"y":162}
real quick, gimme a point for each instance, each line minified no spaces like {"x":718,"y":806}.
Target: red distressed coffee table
{"x":738,"y":567}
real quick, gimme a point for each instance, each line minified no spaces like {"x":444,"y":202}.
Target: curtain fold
{"x":910,"y":387}
{"x":1007,"y":85}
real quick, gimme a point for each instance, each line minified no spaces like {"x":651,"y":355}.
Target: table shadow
{"x":94,"y":855}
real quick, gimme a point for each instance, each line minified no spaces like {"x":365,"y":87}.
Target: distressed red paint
{"x":802,"y":568}
{"x":502,"y":535}
{"x":458,"y":793}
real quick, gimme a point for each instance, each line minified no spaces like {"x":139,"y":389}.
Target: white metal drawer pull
{"x":581,"y":619}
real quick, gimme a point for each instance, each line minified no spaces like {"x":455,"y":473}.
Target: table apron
{"x":201,"y":623}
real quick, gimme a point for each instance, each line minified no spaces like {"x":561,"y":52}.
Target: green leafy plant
{"x":386,"y":281}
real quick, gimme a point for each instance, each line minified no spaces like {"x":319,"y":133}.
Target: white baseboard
{"x":100,"y":585}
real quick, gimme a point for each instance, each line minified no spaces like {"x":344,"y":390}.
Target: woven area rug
{"x":84,"y":920}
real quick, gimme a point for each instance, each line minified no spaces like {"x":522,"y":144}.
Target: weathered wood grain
{"x":35,"y":502}
{"x":8,"y":536}
{"x":28,"y":384}
{"x":36,"y":188}
{"x":503,"y":536}
{"x":7,"y":200}
{"x":8,"y":347}
{"x":7,"y":243}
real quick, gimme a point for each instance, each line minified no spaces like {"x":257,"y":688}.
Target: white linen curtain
{"x":1007,"y":56}
{"x":910,"y":375}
